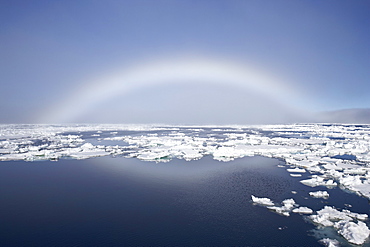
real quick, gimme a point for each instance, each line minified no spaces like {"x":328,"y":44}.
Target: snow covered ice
{"x":347,"y":223}
{"x":330,"y":155}
{"x":319,"y":194}
{"x":286,"y":206}
{"x":285,"y":209}
{"x":319,"y":181}
{"x":330,"y":242}
{"x":262,"y":201}
{"x":302,"y":210}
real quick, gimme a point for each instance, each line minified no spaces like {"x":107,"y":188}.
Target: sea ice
{"x":286,"y":208}
{"x":295,"y":175}
{"x":302,"y":210}
{"x":334,"y":154}
{"x":328,"y":215}
{"x":330,"y":242}
{"x":347,"y":223}
{"x":262,"y":201}
{"x":355,"y":233}
{"x":300,"y":170}
{"x":319,"y":181}
{"x":319,"y":194}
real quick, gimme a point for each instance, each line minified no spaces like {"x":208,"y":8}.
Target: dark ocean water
{"x":126,"y":202}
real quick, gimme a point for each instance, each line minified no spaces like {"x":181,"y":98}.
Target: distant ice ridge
{"x":336,"y":154}
{"x":52,"y":142}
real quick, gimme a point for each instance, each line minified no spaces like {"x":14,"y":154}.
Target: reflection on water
{"x":127,"y":202}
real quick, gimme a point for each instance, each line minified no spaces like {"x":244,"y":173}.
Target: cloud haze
{"x":51,"y":52}
{"x":191,"y":103}
{"x":359,"y":116}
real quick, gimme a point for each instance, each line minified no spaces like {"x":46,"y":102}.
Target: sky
{"x":182,"y":62}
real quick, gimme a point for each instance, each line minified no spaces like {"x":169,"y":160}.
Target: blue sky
{"x":49,"y":50}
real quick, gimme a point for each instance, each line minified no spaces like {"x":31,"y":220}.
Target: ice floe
{"x":302,"y":210}
{"x":286,"y":206}
{"x":262,"y":201}
{"x":285,"y":209}
{"x":329,"y":215}
{"x":300,"y":170}
{"x":330,"y":242}
{"x":346,"y":223}
{"x":295,"y":175}
{"x":355,"y":233}
{"x":319,"y":181}
{"x":319,"y":194}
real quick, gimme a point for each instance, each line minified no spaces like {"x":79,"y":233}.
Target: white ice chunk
{"x":86,"y":151}
{"x":302,"y":210}
{"x":302,"y":163}
{"x":319,"y":194}
{"x":314,"y":169}
{"x":355,"y":171}
{"x":295,"y":175}
{"x":191,"y":154}
{"x":331,"y":166}
{"x":230,"y":153}
{"x":357,"y":184}
{"x":87,"y":146}
{"x":355,"y":215}
{"x":330,"y":242}
{"x":262,"y":201}
{"x":280,"y":210}
{"x":319,"y":181}
{"x":328,"y":215}
{"x":299,"y":170}
{"x":355,"y":233}
{"x":154,"y":156}
{"x":288,"y":205}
